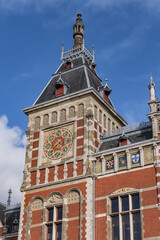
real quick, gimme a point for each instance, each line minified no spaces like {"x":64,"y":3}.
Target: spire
{"x":151,"y":87}
{"x":62,"y":51}
{"x":78,"y":28}
{"x":9,"y":197}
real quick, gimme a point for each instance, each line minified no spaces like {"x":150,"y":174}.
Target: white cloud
{"x":12,"y":157}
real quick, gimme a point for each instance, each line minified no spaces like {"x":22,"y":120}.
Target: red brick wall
{"x":151,"y":223}
{"x":35,"y":144}
{"x":36,"y":217}
{"x":143,"y":178}
{"x":34,"y":153}
{"x":34,"y":163}
{"x":101,"y":206}
{"x":60,"y":172}
{"x":73,"y":230}
{"x":36,"y":233}
{"x":70,"y":170}
{"x":80,"y":132}
{"x":73,"y":210}
{"x":33,"y":178}
{"x":42,"y":176}
{"x":79,"y":152}
{"x":36,"y":135}
{"x":80,"y":142}
{"x":51,"y":174}
{"x":80,"y":123}
{"x":100,"y":229}
{"x":137,"y":179}
{"x":149,"y":197}
{"x":80,"y":167}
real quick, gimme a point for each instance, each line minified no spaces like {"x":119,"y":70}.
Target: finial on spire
{"x":62,"y":51}
{"x":151,"y":87}
{"x":78,"y":28}
{"x":93,"y":54}
{"x":9,"y":197}
{"x":106,"y":80}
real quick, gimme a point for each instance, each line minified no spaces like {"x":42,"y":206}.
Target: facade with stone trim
{"x":87,"y":175}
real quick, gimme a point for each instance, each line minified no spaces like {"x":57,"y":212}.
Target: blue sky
{"x":126,"y":37}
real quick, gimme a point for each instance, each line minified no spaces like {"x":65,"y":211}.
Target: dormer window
{"x":93,"y":67}
{"x":69,"y":65}
{"x":123,"y":142}
{"x":105,"y":96}
{"x":59,"y":90}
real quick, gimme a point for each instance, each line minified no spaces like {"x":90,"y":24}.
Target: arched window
{"x":54,"y":216}
{"x":95,"y":112}
{"x":80,"y":110}
{"x":54,"y":117}
{"x":100,"y":116}
{"x":72,"y":112}
{"x":63,"y":115}
{"x":37,"y":123}
{"x":104,"y":121}
{"x":46,"y":120}
{"x":109,"y":124}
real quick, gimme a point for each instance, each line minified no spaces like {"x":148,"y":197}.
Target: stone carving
{"x":55,"y":198}
{"x":122,"y":190}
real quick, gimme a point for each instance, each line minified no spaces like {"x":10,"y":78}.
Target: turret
{"x":151,"y":87}
{"x":154,"y":114}
{"x":78,"y":28}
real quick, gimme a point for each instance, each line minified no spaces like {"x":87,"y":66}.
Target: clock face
{"x":58,"y":143}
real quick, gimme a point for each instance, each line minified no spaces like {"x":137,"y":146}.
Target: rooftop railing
{"x":126,"y":129}
{"x":73,"y":52}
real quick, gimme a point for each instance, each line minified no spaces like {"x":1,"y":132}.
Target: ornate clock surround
{"x":58,"y":142}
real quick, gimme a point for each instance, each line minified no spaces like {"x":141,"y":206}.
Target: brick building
{"x":87,"y":175}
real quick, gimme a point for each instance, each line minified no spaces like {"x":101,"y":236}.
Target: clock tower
{"x":65,"y":125}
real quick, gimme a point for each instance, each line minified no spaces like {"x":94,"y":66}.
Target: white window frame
{"x":120,"y":213}
{"x":54,"y":222}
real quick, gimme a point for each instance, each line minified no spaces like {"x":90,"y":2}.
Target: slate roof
{"x":78,"y":78}
{"x":2,"y":208}
{"x":12,"y":214}
{"x":135,"y":136}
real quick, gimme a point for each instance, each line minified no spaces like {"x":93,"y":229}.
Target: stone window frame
{"x":95,"y":111}
{"x":37,"y":122}
{"x":54,"y":204}
{"x":63,"y":116}
{"x":100,"y":116}
{"x":71,"y":111}
{"x":120,"y":194}
{"x":46,"y":120}
{"x":80,"y":110}
{"x":54,"y":119}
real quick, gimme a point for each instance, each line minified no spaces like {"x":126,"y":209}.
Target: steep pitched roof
{"x":78,"y":78}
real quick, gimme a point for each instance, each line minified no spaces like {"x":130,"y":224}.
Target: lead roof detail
{"x":77,"y":78}
{"x":140,"y":134}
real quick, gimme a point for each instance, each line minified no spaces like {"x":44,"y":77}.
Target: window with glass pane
{"x":125,"y":215}
{"x":50,"y":229}
{"x":54,"y":223}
